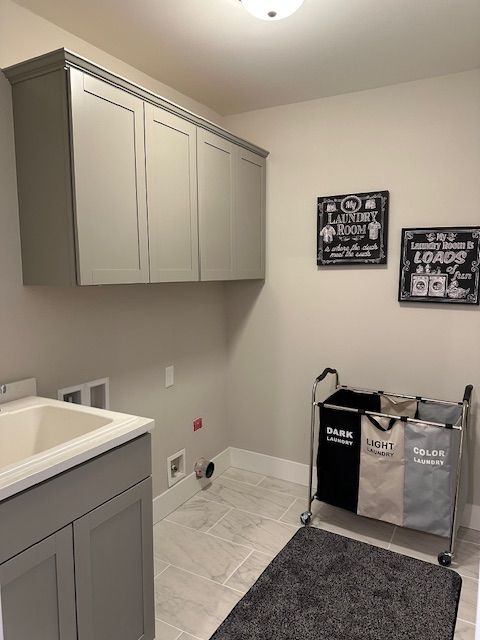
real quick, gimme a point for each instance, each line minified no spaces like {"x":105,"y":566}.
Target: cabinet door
{"x":216,"y":198}
{"x":108,"y":149}
{"x":114,"y":568}
{"x":37,"y":591}
{"x":249,"y":217}
{"x":171,"y":151}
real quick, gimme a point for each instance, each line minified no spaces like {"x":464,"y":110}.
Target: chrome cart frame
{"x":445,"y":557}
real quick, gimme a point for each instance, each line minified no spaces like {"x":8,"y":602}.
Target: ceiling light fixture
{"x":272,"y":9}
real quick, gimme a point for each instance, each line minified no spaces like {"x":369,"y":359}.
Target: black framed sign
{"x":352,"y":228}
{"x":440,"y":265}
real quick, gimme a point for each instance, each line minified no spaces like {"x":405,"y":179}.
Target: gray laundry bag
{"x":431,"y":455}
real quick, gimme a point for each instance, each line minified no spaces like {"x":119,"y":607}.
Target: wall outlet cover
{"x":197,"y":424}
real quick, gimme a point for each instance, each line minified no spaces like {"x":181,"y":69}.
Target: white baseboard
{"x":172,"y":498}
{"x":270,"y":466}
{"x":471,"y":516}
{"x":298,"y":472}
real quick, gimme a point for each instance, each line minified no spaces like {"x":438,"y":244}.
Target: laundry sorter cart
{"x":391,"y":457}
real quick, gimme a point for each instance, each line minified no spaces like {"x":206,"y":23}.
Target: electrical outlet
{"x":197,"y":424}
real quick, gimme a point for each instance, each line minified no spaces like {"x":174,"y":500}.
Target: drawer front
{"x":36,"y":513}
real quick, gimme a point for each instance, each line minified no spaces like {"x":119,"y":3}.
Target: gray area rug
{"x":323,"y":586}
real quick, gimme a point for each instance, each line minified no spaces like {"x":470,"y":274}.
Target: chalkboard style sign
{"x":440,"y":265}
{"x":352,"y":229}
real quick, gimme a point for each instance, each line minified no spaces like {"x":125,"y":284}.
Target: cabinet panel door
{"x":216,"y":201}
{"x":114,"y":568}
{"x":37,"y":591}
{"x":108,"y":150}
{"x":249,"y":225}
{"x":171,"y":151}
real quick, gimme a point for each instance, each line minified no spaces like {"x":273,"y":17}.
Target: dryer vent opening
{"x":204,"y":468}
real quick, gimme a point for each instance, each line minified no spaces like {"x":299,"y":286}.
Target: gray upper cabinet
{"x":231,"y":200}
{"x":116,"y":185}
{"x":37,"y":591}
{"x":109,"y":182}
{"x":171,"y":161}
{"x":249,"y":217}
{"x":216,"y":203}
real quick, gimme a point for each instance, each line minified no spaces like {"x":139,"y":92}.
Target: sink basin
{"x":26,"y":432}
{"x":41,"y":437}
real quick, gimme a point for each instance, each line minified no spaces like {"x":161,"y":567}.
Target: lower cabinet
{"x":37,"y":591}
{"x":114,"y":568}
{"x":92,"y":579}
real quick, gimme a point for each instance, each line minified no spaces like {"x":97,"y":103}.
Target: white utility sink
{"x":40,"y":437}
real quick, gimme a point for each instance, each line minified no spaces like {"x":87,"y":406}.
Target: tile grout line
{"x":259,"y":483}
{"x":253,"y":486}
{"x":220,"y":519}
{"x":197,"y":575}
{"x":252,"y":513}
{"x":247,"y":484}
{"x":212,"y":535}
{"x":160,"y":572}
{"x":391,"y":537}
{"x":285,"y":513}
{"x":256,"y":484}
{"x":180,"y":631}
{"x":240,"y":565}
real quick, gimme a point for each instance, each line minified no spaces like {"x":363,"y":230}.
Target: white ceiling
{"x":214,"y":51}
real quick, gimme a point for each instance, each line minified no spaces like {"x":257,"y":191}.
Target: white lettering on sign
{"x":429,"y":456}
{"x":434,"y":453}
{"x":341,"y":433}
{"x":440,"y":257}
{"x":341,"y":436}
{"x":438,"y":463}
{"x":351,"y":203}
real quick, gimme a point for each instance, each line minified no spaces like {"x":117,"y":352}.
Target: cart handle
{"x":467,"y":396}
{"x":325,"y":373}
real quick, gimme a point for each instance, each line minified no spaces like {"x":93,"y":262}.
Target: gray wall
{"x":421,"y":141}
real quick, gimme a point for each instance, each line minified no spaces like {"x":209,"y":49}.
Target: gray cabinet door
{"x":37,"y":591}
{"x":249,"y":217}
{"x":108,"y":149}
{"x":216,"y":202}
{"x":114,"y":568}
{"x":171,"y":161}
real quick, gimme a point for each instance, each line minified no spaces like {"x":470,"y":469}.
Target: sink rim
{"x":31,"y":470}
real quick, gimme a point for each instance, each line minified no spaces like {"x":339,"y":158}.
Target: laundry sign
{"x":352,"y":228}
{"x":440,"y":265}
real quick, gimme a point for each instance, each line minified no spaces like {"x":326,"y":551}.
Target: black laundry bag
{"x":338,"y":458}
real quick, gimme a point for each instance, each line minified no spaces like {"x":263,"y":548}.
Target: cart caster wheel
{"x":445,"y":559}
{"x":305,"y":518}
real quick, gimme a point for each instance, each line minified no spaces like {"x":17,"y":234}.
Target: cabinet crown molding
{"x":67,"y":59}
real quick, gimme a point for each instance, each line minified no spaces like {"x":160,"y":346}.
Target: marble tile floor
{"x":211,"y":550}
